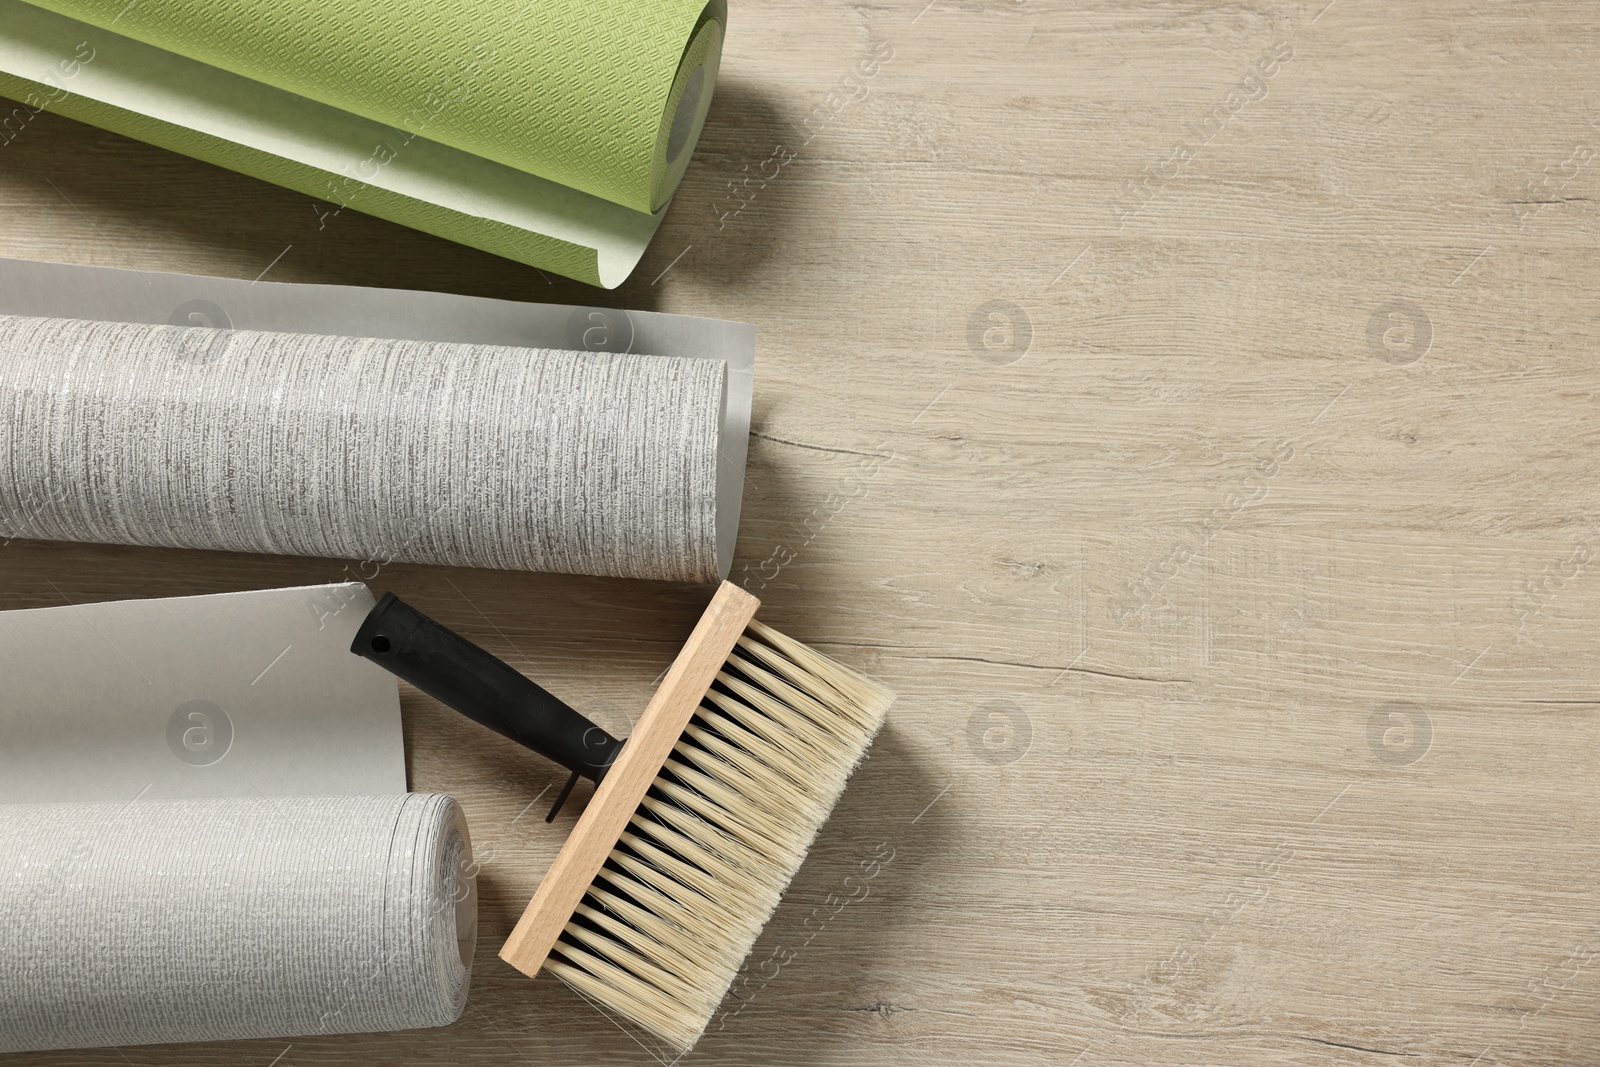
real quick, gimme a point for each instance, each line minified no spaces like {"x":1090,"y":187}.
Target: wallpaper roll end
{"x":683,"y":118}
{"x":438,"y":927}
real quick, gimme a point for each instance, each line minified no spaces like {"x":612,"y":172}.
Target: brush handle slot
{"x":453,"y":670}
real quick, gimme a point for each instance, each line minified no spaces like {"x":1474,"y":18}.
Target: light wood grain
{"x":635,"y":769}
{"x":1127,"y":808}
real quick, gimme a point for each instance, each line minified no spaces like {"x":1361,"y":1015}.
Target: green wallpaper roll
{"x":433,"y":113}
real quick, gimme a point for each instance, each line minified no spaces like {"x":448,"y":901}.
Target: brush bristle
{"x":663,"y":930}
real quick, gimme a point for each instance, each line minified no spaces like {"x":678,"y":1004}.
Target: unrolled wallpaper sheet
{"x":552,"y":132}
{"x":252,"y":694}
{"x":373,"y":440}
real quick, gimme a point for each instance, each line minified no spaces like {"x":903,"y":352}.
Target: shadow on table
{"x":740,"y":199}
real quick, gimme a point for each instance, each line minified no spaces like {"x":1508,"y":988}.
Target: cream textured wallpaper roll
{"x":200,"y":920}
{"x":360,"y":448}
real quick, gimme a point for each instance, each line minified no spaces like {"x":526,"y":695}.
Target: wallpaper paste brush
{"x":699,"y":819}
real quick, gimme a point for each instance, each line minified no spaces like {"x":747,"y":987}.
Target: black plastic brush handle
{"x":448,"y":667}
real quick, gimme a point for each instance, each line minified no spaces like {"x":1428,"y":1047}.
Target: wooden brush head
{"x":632,"y":773}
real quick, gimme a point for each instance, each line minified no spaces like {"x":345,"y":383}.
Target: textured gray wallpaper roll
{"x":200,"y":920}
{"x":360,"y":448}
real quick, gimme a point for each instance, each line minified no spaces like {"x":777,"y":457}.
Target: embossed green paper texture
{"x":552,"y":132}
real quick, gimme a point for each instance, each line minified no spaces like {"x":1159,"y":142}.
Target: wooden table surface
{"x":1187,"y":408}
